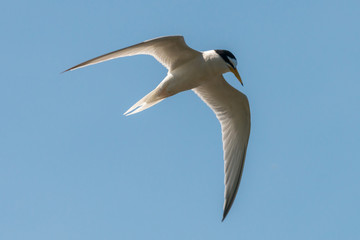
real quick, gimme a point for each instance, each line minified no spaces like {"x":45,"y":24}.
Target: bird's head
{"x":230,"y":62}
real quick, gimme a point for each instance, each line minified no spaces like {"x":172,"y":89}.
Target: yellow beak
{"x":237,"y":75}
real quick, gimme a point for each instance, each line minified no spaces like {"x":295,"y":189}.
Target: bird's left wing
{"x":232,"y":110}
{"x":171,"y":51}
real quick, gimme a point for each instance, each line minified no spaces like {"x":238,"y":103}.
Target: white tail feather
{"x":148,"y":101}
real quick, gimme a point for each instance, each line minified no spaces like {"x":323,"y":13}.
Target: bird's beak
{"x":237,"y":75}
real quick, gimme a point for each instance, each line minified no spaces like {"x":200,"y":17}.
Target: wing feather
{"x":171,"y":51}
{"x":232,"y":110}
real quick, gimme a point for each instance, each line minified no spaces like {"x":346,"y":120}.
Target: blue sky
{"x":73,"y":167}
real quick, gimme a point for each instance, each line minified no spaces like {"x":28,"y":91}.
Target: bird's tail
{"x":148,"y":101}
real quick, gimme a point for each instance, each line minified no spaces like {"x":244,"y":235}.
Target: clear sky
{"x":73,"y":167}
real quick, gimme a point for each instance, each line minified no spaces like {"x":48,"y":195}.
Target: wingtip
{"x":67,"y":70}
{"x":81,"y":65}
{"x":225,"y":213}
{"x":224,"y":216}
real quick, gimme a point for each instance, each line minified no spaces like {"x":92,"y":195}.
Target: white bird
{"x":201,"y":72}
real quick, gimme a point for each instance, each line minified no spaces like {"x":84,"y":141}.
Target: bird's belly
{"x":185,"y":78}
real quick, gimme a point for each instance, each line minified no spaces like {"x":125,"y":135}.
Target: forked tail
{"x":148,"y":101}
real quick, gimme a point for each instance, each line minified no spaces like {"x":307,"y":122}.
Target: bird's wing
{"x":170,"y":51}
{"x":232,"y":110}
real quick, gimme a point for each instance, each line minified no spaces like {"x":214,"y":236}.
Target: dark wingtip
{"x":224,"y":216}
{"x":67,"y":70}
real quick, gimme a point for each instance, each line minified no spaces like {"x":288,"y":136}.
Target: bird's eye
{"x":233,"y":62}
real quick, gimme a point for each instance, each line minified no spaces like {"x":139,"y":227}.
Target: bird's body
{"x":201,"y":72}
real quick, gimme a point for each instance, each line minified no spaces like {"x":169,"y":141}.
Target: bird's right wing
{"x":232,"y":110}
{"x":171,"y":51}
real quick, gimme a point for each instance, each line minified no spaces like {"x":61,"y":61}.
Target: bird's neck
{"x":215,"y":62}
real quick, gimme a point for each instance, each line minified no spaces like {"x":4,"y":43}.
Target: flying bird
{"x":201,"y":72}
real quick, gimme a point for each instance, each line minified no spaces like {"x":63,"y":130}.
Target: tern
{"x":201,"y":72}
